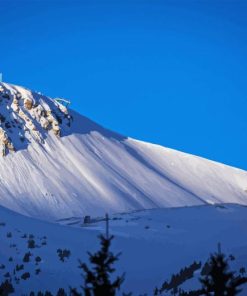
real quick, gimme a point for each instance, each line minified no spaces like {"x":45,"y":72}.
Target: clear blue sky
{"x":168,"y":72}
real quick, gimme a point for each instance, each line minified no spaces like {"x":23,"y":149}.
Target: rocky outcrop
{"x":28,"y":103}
{"x":5,"y":142}
{"x":27,"y":116}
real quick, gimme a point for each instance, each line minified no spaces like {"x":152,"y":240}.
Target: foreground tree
{"x":220,"y":281}
{"x":98,"y":279}
{"x":216,"y":278}
{"x":6,"y":288}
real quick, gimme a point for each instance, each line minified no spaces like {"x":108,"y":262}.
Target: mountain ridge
{"x":80,"y":168}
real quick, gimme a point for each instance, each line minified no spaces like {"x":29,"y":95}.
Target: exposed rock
{"x":56,"y":128}
{"x":28,"y":103}
{"x":44,"y":122}
{"x":15,"y":105}
{"x":5,"y":142}
{"x":28,"y":116}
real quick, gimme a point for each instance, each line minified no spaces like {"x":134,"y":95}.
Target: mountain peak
{"x":26,"y":116}
{"x":68,"y":165}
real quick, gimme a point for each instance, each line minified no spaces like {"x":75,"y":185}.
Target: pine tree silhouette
{"x":97,"y":280}
{"x":220,"y":281}
{"x":6,"y":288}
{"x":61,"y":292}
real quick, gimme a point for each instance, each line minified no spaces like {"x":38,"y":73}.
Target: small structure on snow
{"x":64,"y":102}
{"x":87,"y":219}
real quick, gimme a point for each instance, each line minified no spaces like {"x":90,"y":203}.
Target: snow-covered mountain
{"x":57,"y":163}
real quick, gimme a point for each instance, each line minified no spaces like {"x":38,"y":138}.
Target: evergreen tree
{"x":98,"y":279}
{"x":6,"y":288}
{"x":242,"y":270}
{"x":156,"y":291}
{"x":61,"y":292}
{"x":220,"y":281}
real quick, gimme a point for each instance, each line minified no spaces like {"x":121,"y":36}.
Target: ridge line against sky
{"x":167,"y":72}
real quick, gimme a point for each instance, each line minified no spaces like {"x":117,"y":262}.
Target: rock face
{"x":5,"y":142}
{"x":25,"y":116}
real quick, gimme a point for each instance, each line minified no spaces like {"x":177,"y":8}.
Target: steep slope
{"x":60,"y":164}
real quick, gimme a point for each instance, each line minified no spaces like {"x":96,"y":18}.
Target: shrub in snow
{"x":37,"y":271}
{"x":31,"y":244}
{"x":43,"y":243}
{"x":178,"y":279}
{"x":37,"y":259}
{"x":19,"y":267}
{"x":242,"y":270}
{"x":62,"y":254}
{"x":205,"y":269}
{"x":6,"y":288}
{"x":7,"y":274}
{"x":26,"y":257}
{"x":17,"y":280}
{"x":9,"y":234}
{"x":61,"y":292}
{"x":25,"y":276}
{"x":231,"y":257}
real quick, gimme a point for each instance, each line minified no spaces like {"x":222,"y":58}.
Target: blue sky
{"x":167,"y":72}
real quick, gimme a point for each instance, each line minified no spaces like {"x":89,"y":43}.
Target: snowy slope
{"x":60,"y":164}
{"x":154,"y":244}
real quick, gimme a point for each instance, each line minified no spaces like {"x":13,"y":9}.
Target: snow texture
{"x":62,"y":164}
{"x":154,"y":244}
